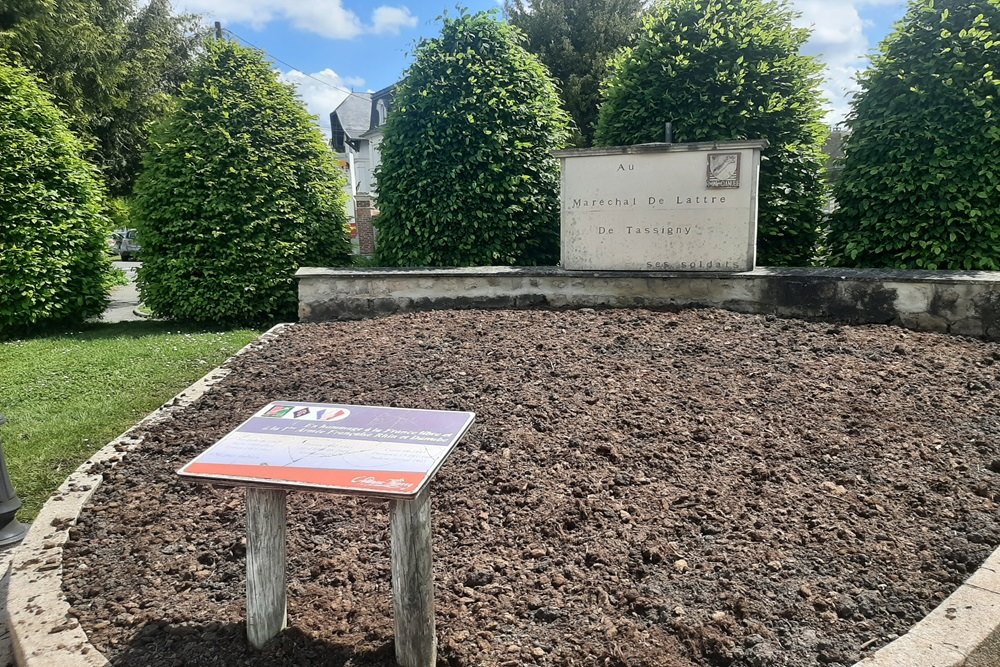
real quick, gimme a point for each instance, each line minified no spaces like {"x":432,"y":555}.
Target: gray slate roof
{"x":355,"y":114}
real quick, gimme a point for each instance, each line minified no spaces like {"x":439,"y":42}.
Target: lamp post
{"x":11,"y":531}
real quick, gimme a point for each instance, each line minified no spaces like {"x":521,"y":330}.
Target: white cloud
{"x":319,"y":96}
{"x":838,"y":39}
{"x":328,"y":18}
{"x":392,"y":20}
{"x":324,"y":17}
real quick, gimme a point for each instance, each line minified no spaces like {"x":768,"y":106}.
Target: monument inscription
{"x":660,"y":207}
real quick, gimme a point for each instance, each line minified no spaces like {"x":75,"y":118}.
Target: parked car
{"x":115,"y":240}
{"x":129,"y":247}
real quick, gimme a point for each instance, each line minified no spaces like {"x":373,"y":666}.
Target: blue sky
{"x":327,"y":47}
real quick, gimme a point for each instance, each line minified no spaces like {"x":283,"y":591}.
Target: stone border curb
{"x":43,"y":633}
{"x":963,"y":631}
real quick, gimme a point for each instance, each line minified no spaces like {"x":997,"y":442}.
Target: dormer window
{"x":380,"y":110}
{"x":338,"y":139}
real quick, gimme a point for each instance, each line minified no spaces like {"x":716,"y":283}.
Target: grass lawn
{"x":68,"y":395}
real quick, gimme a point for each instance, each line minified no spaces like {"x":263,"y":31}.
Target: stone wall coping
{"x":864,"y":275}
{"x":660,"y":147}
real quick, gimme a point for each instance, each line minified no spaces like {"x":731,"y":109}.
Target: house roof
{"x":385,"y":91}
{"x":355,"y":113}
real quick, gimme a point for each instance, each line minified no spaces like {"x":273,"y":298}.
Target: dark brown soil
{"x":640,"y":489}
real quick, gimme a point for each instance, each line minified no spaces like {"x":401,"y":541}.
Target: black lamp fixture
{"x":11,"y":530}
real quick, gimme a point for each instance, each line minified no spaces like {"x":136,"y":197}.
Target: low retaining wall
{"x":956,"y":302}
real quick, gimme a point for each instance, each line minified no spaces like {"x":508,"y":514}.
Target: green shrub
{"x":722,"y":70}
{"x":920,"y":185}
{"x":467,"y":176}
{"x":116,"y":278}
{"x":120,"y":213}
{"x":239,"y":189}
{"x":53,"y":267}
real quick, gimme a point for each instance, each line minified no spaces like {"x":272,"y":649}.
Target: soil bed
{"x":640,"y":489}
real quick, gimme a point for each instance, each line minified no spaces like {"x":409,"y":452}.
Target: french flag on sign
{"x":335,"y":415}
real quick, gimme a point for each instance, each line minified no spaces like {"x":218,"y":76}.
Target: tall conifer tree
{"x":110,"y":65}
{"x":575,"y":39}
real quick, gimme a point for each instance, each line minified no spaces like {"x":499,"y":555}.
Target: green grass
{"x":116,"y":278}
{"x":66,"y":396}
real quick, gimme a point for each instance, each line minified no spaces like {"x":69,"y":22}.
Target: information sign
{"x":660,"y":207}
{"x":390,"y":452}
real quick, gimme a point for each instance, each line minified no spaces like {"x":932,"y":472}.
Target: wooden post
{"x":266,"y":595}
{"x":413,"y":582}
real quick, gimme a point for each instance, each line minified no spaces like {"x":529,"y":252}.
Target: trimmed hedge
{"x":467,"y":175}
{"x":53,"y":265}
{"x":920,"y":185}
{"x":239,"y":189}
{"x":727,"y":70}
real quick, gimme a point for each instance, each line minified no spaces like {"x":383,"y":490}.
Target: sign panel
{"x":660,"y":207}
{"x":359,"y":449}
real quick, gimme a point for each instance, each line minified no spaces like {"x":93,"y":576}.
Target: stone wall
{"x":966,"y":303}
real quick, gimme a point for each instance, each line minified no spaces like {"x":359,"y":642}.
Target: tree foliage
{"x":467,"y":175}
{"x":920,"y":186}
{"x":53,"y":267}
{"x":111,"y":65}
{"x":238,"y":190}
{"x":723,"y":70}
{"x":575,"y":39}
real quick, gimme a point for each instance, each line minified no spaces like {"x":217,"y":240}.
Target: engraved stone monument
{"x":660,"y":207}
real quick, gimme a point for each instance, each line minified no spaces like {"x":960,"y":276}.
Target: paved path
{"x":124,"y":299}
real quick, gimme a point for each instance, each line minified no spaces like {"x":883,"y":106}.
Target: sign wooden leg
{"x":413,"y":582}
{"x":266,"y":594}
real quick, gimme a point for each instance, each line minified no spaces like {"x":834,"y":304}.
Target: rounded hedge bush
{"x":238,"y":190}
{"x":54,"y":270}
{"x":467,"y":175}
{"x":920,"y":185}
{"x":723,"y":70}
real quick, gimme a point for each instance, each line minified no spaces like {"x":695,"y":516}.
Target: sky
{"x":330,"y":47}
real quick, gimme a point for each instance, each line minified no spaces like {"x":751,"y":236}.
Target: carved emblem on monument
{"x":723,"y":170}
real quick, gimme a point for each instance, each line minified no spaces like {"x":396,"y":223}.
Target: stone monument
{"x":660,"y":207}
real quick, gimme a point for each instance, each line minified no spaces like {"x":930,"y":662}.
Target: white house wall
{"x":362,"y":168}
{"x":375,"y":147}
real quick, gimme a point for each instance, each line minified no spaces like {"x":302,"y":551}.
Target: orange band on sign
{"x":360,"y":480}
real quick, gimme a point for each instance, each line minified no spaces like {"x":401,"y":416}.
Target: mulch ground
{"x":640,"y":489}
